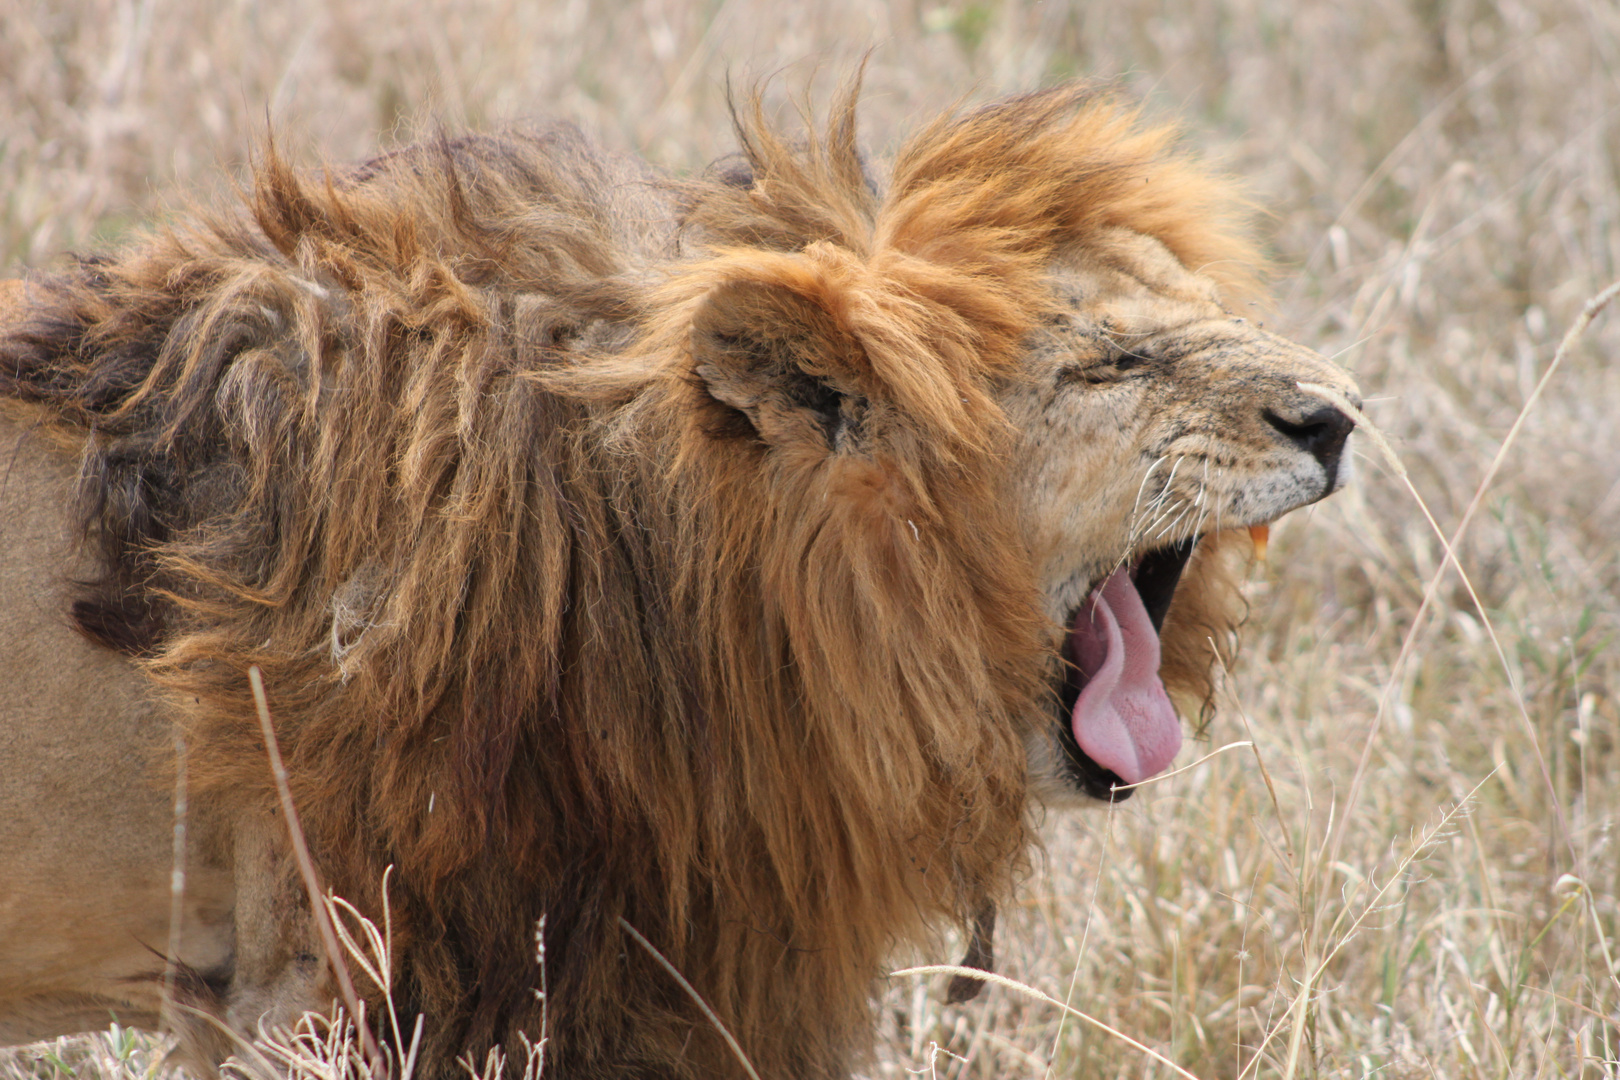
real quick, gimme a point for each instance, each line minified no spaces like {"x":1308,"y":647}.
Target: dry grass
{"x":1413,"y":872}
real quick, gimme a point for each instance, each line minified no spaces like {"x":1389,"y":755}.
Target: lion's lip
{"x":1142,"y":744}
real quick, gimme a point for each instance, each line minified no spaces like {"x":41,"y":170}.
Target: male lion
{"x":737,"y":559}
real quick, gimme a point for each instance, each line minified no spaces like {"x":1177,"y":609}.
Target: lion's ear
{"x":779,"y":360}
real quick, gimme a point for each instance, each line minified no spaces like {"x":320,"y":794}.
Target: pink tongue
{"x":1123,"y":720}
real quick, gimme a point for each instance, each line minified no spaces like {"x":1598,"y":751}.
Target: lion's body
{"x":80,"y":740}
{"x":616,"y":551}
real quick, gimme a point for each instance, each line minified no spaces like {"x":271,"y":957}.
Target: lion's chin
{"x":1117,"y":727}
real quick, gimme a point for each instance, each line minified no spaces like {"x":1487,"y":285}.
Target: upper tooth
{"x":1261,"y":535}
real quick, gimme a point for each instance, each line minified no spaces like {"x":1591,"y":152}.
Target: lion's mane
{"x":450,"y":446}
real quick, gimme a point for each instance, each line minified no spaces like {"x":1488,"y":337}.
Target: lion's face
{"x":1149,"y":418}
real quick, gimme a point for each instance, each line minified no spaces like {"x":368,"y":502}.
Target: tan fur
{"x":690,"y":553}
{"x":87,"y":843}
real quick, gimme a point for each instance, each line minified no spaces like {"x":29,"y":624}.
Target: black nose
{"x":1320,"y":434}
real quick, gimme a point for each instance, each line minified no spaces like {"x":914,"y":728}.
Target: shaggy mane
{"x":563,"y":606}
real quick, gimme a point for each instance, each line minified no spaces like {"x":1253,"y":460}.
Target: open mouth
{"x":1117,"y":726}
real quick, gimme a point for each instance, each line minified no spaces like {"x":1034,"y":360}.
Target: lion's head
{"x":1042,"y":293}
{"x":738,"y":558}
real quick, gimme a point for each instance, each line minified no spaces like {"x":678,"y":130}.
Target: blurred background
{"x":1413,"y":873}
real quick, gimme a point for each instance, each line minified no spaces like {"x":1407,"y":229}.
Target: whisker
{"x":1166,"y":507}
{"x":1160,"y":460}
{"x":1164,"y":498}
{"x":1164,"y":532}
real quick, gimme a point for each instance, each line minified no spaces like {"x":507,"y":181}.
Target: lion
{"x":743,"y":560}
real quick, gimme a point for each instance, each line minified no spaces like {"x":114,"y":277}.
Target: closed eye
{"x":1087,"y":374}
{"x":1118,"y":363}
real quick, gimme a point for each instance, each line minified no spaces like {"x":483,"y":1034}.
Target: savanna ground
{"x":1413,"y":872}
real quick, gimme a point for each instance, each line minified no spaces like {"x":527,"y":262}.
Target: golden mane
{"x":489,"y":455}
